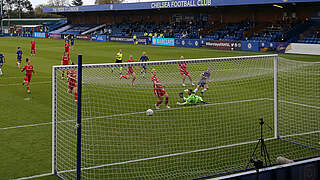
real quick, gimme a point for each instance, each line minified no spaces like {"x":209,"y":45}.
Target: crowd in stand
{"x":199,"y":30}
{"x":280,"y":31}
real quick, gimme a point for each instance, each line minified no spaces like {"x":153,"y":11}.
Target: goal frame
{"x":80,"y":66}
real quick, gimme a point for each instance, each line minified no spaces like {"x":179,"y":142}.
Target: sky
{"x":85,"y":2}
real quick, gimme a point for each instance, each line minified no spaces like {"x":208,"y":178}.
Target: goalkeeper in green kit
{"x":192,"y":98}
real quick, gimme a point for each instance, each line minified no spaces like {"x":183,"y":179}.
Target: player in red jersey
{"x":159,"y":90}
{"x":184,"y":72}
{"x":65,"y":60}
{"x":27,"y":77}
{"x":72,"y":83}
{"x":130,"y":71}
{"x":66,"y":46}
{"x":33,"y":47}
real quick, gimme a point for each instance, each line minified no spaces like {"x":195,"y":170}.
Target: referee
{"x":119,"y":57}
{"x":119,"y":60}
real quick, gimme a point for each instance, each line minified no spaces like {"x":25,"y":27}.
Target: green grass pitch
{"x":26,"y":151}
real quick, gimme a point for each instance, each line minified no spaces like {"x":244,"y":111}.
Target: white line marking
{"x":299,"y":104}
{"x":185,"y":107}
{"x":133,"y":113}
{"x":167,"y":155}
{"x":35,"y":176}
{"x":20,"y":84}
{"x":28,"y":125}
{"x":300,"y":134}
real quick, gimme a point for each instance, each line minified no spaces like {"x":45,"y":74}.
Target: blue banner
{"x":187,"y":42}
{"x":121,"y":39}
{"x":203,"y":42}
{"x":27,"y":35}
{"x":163,"y":41}
{"x":250,"y":46}
{"x":99,"y":38}
{"x":128,"y":40}
{"x":40,"y":35}
{"x":269,"y":45}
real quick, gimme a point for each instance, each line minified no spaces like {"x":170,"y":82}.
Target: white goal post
{"x":119,"y":141}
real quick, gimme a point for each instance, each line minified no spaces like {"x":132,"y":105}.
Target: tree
{"x":17,"y":8}
{"x":77,"y":2}
{"x":58,"y":3}
{"x":108,"y":1}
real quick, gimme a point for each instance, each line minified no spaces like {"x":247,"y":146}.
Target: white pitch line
{"x":20,"y":84}
{"x":185,"y":107}
{"x":299,"y":104}
{"x":34,"y":176}
{"x":165,"y":156}
{"x":28,"y":125}
{"x":300,"y":134}
{"x":133,"y":113}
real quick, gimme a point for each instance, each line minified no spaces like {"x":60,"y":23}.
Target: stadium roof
{"x":166,"y":4}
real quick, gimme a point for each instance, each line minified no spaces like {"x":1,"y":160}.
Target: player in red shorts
{"x":159,"y":90}
{"x":72,"y":83}
{"x":33,"y":47}
{"x":130,"y":72}
{"x":27,"y":77}
{"x":184,"y":72}
{"x":65,"y":60}
{"x":66,"y":46}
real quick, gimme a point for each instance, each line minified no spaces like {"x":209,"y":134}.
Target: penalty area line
{"x":34,"y":176}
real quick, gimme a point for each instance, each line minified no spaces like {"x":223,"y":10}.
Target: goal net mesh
{"x":299,"y":104}
{"x":119,"y":141}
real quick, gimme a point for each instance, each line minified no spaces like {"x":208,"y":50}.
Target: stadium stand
{"x":311,"y":36}
{"x":264,"y":23}
{"x":279,"y":31}
{"x":55,"y":25}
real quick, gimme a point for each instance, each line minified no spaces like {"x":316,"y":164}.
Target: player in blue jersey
{"x":203,"y":82}
{"x":72,"y":42}
{"x":19,"y":57}
{"x":2,"y":61}
{"x":144,"y":58}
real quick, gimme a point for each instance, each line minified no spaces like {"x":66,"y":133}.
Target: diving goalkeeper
{"x":191,"y":99}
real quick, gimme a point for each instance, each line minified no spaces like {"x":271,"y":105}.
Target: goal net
{"x":119,"y":141}
{"x":299,"y":105}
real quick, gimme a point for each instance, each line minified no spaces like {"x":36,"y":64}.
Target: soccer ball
{"x":149,"y":112}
